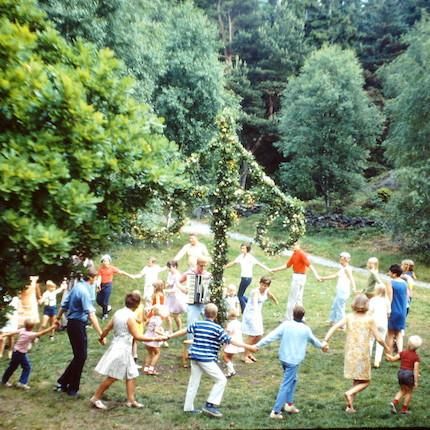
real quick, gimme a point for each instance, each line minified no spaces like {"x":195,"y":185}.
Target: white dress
{"x":117,"y":362}
{"x":234,"y":329}
{"x":252,"y":319}
{"x":12,"y":317}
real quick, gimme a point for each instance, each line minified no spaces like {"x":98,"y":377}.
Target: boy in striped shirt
{"x":208,"y":336}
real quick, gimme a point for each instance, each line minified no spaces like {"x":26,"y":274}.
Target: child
{"x":49,"y":299}
{"x":150,"y":272}
{"x":408,"y":275}
{"x":234,"y":330}
{"x":106,"y":272}
{"x":208,"y":337}
{"x":10,"y":327}
{"x":374,"y":279}
{"x":407,"y":375}
{"x":117,"y":362}
{"x":252,"y":320}
{"x":176,"y":300}
{"x":231,"y":299}
{"x":359,"y":328}
{"x":343,"y":287}
{"x":153,"y":328}
{"x":379,"y":309}
{"x":19,"y":357}
{"x":294,"y":337}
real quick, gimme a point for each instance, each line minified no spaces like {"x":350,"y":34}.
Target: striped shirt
{"x":207,"y":340}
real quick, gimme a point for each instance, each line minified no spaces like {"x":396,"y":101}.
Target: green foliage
{"x":78,"y":155}
{"x":408,"y":84}
{"x":327,"y":126}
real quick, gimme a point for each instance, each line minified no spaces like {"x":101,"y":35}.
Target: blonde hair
{"x":232,"y":314}
{"x":49,"y":283}
{"x":158,"y":286}
{"x":374,"y":262}
{"x":211,"y":310}
{"x":414,"y":342}
{"x":360,"y":303}
{"x":380,"y":290}
{"x":231,"y":287}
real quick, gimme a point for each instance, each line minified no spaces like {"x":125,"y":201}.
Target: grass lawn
{"x":249,"y":396}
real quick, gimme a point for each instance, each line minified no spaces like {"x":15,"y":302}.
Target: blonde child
{"x":153,"y":328}
{"x":233,"y":329}
{"x":26,"y":336}
{"x":10,"y":327}
{"x":374,"y":279}
{"x":408,"y":275}
{"x":407,"y":375}
{"x":252,"y":320}
{"x":379,"y":309}
{"x":359,"y":326}
{"x":345,"y":282}
{"x":150,"y":272}
{"x":231,"y":299}
{"x":117,"y":362}
{"x":49,"y":300}
{"x":176,"y":300}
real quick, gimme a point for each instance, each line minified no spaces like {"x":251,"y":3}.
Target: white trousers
{"x":213,"y":371}
{"x":379,"y":349}
{"x":295,"y":297}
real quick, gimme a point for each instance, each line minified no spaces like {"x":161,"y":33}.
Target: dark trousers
{"x":244,"y":284}
{"x":71,"y":377}
{"x":103,"y":296}
{"x":18,"y":359}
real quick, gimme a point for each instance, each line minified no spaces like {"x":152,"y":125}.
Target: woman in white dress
{"x":117,"y":362}
{"x":252,"y":320}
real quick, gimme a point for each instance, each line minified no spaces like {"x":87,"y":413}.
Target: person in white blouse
{"x":246,"y":262}
{"x":192,"y":250}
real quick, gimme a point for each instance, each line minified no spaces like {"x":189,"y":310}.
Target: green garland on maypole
{"x":228,"y":153}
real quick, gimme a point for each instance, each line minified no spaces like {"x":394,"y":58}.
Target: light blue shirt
{"x":78,"y":303}
{"x":294,"y":337}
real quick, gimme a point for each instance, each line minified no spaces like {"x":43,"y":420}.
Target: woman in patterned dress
{"x":359,"y":327}
{"x":117,"y":362}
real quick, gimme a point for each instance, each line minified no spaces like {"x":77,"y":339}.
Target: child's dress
{"x":234,"y":329}
{"x":232,"y":303}
{"x":379,"y":308}
{"x":252,"y":320}
{"x":117,"y":362}
{"x":154,"y":324}
{"x":176,"y":299}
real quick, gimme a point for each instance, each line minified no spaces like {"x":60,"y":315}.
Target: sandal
{"x":97,"y":403}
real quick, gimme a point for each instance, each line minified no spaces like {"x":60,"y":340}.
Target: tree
{"x":327,"y":126}
{"x":407,"y":87}
{"x":78,"y":155}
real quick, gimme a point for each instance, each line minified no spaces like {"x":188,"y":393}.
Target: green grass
{"x":249,"y":396}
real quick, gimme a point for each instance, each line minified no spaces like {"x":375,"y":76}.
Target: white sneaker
{"x":291,"y":409}
{"x":276,"y":416}
{"x":22,"y":386}
{"x":98,"y":403}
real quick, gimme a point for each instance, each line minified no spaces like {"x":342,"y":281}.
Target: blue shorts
{"x":406,"y":377}
{"x":50,"y":311}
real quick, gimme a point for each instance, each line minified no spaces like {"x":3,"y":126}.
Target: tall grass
{"x":249,"y":396}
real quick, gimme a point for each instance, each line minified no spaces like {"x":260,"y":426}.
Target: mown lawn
{"x":249,"y":396}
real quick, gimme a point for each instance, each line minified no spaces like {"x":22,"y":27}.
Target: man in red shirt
{"x":300,"y":264}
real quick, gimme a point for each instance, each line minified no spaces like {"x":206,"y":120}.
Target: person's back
{"x":208,"y":336}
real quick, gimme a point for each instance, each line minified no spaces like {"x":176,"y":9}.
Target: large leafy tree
{"x":78,"y":155}
{"x":407,"y":86}
{"x":327,"y":126}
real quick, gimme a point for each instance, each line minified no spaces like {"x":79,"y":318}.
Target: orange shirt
{"x":299,"y":261}
{"x":107,"y":273}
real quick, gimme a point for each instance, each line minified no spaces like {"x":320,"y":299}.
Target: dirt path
{"x":194,"y":226}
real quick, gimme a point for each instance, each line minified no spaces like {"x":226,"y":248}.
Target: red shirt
{"x":407,"y":359}
{"x":107,"y":273}
{"x":299,"y":261}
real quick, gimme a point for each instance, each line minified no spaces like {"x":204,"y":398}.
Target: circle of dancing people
{"x":378,"y":315}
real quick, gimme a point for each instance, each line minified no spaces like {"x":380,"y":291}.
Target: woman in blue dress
{"x":397,"y":292}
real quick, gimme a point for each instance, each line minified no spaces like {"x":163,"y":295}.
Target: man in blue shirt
{"x":79,"y":309}
{"x":294,"y":337}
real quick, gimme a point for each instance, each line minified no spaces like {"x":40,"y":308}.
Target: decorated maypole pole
{"x":227,"y":153}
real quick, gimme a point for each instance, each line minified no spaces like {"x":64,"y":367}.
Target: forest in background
{"x":331,"y":97}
